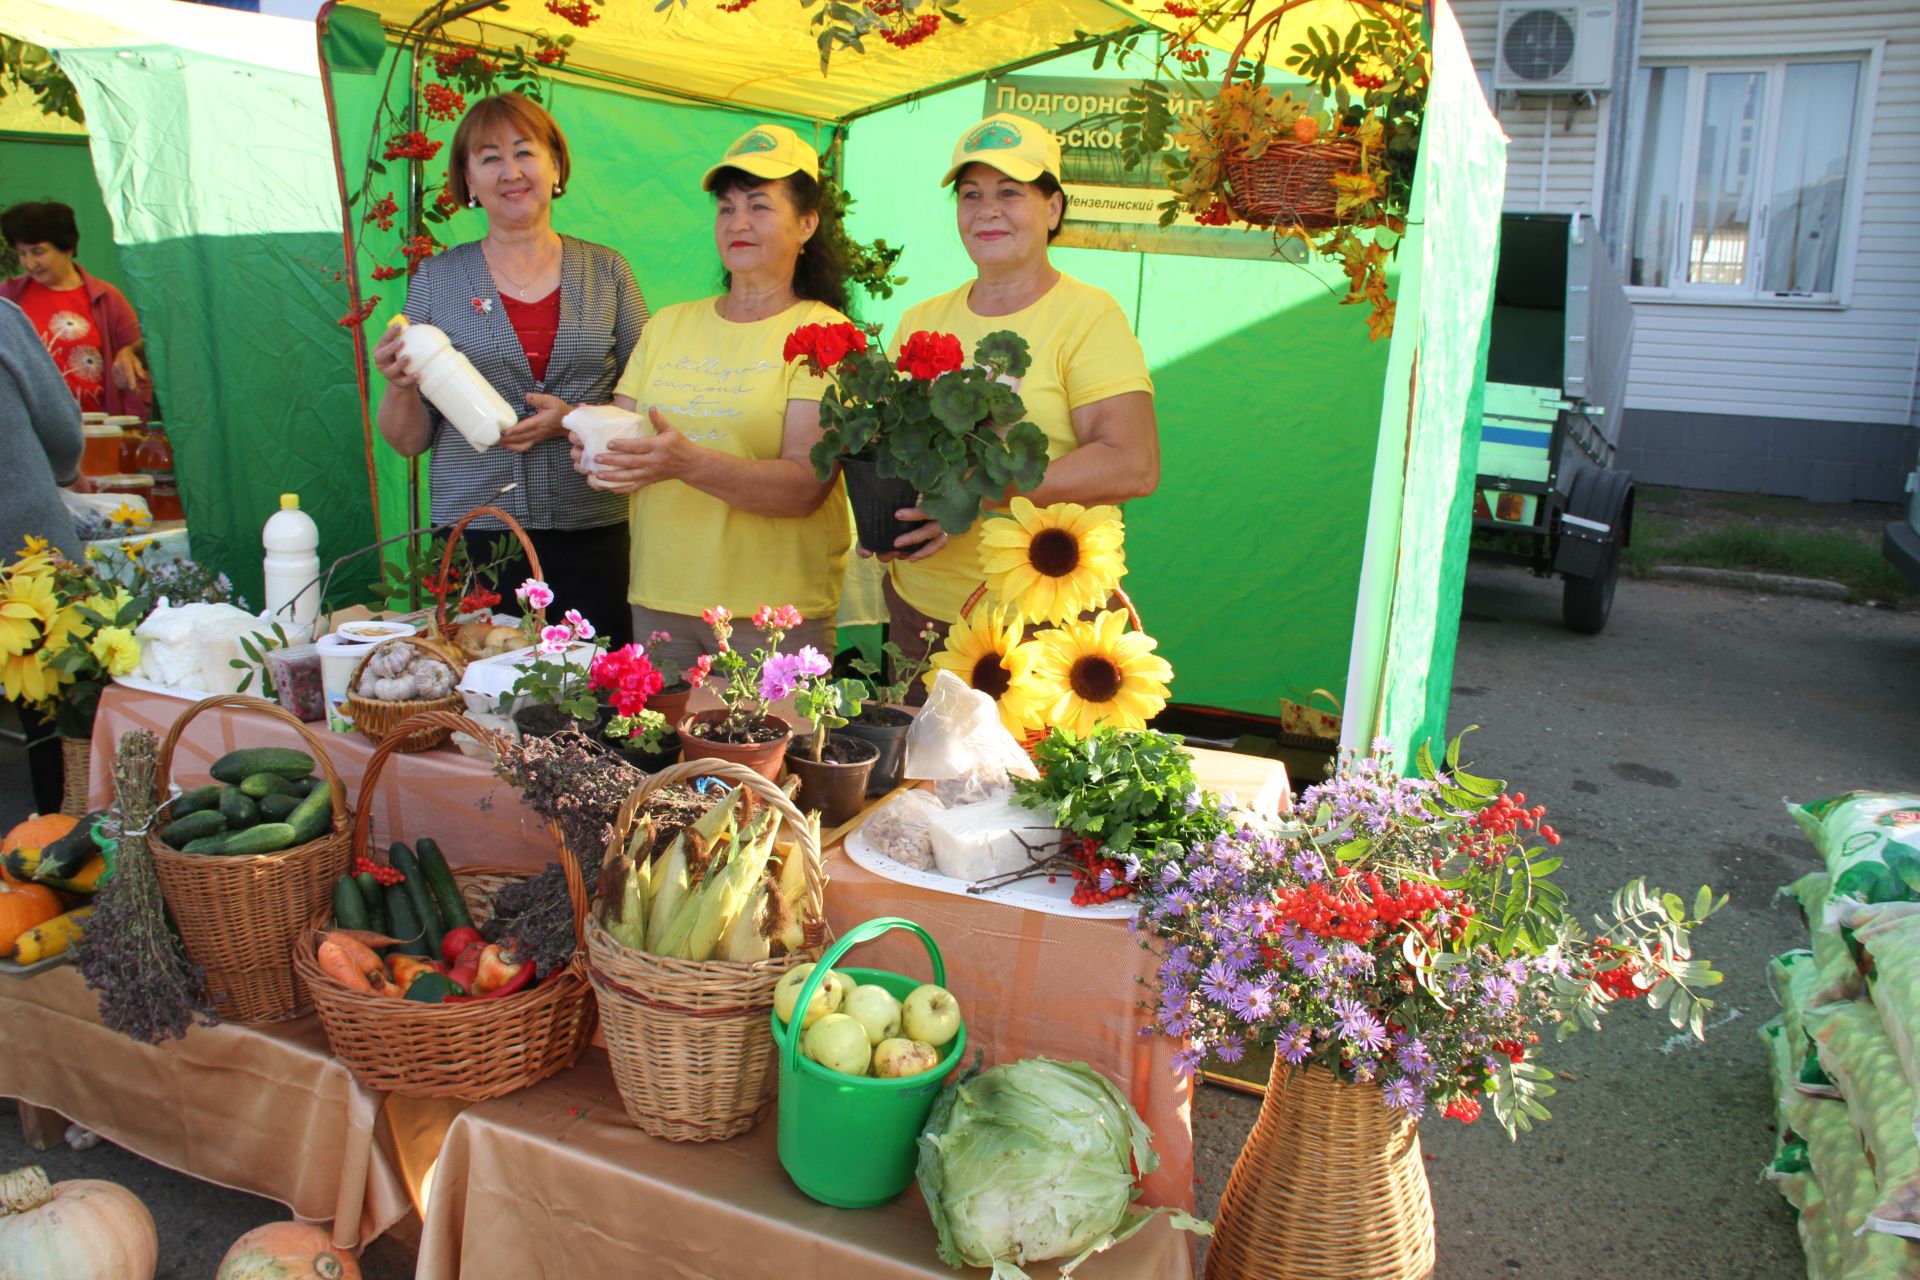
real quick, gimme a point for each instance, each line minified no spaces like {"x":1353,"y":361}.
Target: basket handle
{"x":390,"y":747}
{"x":453,"y":537}
{"x":867,"y":932}
{"x":247,"y":702}
{"x":814,"y":921}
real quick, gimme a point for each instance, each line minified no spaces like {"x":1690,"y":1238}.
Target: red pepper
{"x":455,"y":943}
{"x":504,"y":969}
{"x":467,"y":967}
{"x":406,"y":969}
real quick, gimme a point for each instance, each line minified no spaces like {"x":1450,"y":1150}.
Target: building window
{"x":1743,"y":177}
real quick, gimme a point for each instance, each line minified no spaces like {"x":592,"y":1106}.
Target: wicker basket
{"x":240,"y":916}
{"x":1290,"y":184}
{"x":692,"y":1048}
{"x":1330,"y":1186}
{"x":483,"y":1049}
{"x":442,"y":623}
{"x":76,"y":775}
{"x":379,"y":719}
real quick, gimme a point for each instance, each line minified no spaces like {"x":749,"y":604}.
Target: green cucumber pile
{"x":261,"y":800}
{"x":414,"y":899}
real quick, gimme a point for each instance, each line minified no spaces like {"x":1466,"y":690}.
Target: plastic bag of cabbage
{"x":1035,"y":1160}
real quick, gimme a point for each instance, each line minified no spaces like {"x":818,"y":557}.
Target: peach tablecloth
{"x":554,"y":1181}
{"x":261,"y":1109}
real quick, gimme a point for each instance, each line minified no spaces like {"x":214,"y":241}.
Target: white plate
{"x":172,"y":691}
{"x":1056,"y":899}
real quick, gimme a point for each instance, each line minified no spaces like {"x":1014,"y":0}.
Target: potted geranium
{"x":628,"y":682}
{"x":927,"y":430}
{"x":877,"y":712}
{"x":832,"y":767}
{"x":745,"y":730}
{"x":645,"y":738}
{"x":677,"y":683}
{"x":552,"y":691}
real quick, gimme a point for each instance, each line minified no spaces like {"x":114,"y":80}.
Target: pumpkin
{"x":287,"y":1251}
{"x":37,"y":832}
{"x":22,"y":906}
{"x":77,"y":1230}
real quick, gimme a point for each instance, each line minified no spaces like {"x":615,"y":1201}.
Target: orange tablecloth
{"x":261,"y":1109}
{"x":553,"y":1181}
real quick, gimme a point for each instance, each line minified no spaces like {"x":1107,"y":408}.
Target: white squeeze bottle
{"x":292,"y":565}
{"x":449,"y":380}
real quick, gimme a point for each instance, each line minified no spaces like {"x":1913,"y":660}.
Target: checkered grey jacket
{"x":601,"y":315}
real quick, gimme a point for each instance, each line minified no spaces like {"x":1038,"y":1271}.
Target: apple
{"x":931,"y":1014}
{"x":895,"y":1059}
{"x":838,"y":1043}
{"x":831,"y":994}
{"x":877,"y":1009}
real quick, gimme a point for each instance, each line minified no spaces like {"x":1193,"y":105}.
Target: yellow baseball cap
{"x":768,"y":151}
{"x":1015,"y":145}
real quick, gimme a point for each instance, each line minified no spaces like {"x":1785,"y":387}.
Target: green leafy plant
{"x":955,"y":431}
{"x":28,"y":68}
{"x":256,"y":647}
{"x":829,"y":704}
{"x":1133,"y":791}
{"x":648,"y":732}
{"x":871,"y":685}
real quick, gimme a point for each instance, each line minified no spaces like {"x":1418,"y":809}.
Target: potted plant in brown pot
{"x":629,"y":685}
{"x":879,"y":713}
{"x":832,"y":767}
{"x":553,"y":690}
{"x":745,"y":730}
{"x":927,"y":430}
{"x":676,"y":683}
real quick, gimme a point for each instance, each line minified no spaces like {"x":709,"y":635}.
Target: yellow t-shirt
{"x":726,"y":387}
{"x":1083,"y":351}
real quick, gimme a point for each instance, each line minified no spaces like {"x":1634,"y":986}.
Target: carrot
{"x":352,"y":964}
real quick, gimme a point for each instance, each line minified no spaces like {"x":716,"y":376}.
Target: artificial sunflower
{"x":27,"y":608}
{"x":1053,"y":564}
{"x":1098,"y":672}
{"x":986,"y":652}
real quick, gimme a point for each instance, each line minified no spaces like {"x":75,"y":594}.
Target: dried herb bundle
{"x":149,"y":990}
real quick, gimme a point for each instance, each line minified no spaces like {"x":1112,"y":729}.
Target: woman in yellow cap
{"x":1088,"y":389}
{"x":725,"y":504}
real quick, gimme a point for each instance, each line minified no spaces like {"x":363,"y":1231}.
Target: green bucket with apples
{"x":849,"y":1131}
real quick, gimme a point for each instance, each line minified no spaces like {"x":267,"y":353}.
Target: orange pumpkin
{"x":22,"y":906}
{"x":37,"y":832}
{"x":287,"y":1251}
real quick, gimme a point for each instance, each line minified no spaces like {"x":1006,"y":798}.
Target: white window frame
{"x":1773,"y":60}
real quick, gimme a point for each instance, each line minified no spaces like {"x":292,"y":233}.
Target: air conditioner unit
{"x":1554,"y":48}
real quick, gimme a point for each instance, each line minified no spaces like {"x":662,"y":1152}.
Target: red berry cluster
{"x":449,"y":64}
{"x":387,"y":273}
{"x":1214,"y":215}
{"x":1506,"y":816}
{"x":1362,"y":80}
{"x":382,"y":212}
{"x":579,"y":12}
{"x":1359,"y":917}
{"x":914,"y":32}
{"x":732,"y":6}
{"x":1086,"y":873}
{"x":1618,"y":982}
{"x":442,"y":103}
{"x":1513,"y":1050}
{"x":551,"y":57}
{"x":445,"y":201}
{"x":1465,"y":1110}
{"x":417,"y":249}
{"x":1174,"y":9}
{"x":360,"y":313}
{"x":411,"y":145}
{"x":380,"y":874}
{"x":883,"y":8}
{"x":1188,"y":54}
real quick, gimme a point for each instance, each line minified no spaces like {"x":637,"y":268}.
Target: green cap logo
{"x":755,"y":141}
{"x":992,"y":136}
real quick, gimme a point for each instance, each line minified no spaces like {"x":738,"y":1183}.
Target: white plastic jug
{"x":449,"y":380}
{"x":292,"y":564}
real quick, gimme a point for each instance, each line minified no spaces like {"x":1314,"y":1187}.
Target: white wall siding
{"x":1577,"y":128}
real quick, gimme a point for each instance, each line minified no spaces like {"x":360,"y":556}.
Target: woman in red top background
{"x":86,"y":324}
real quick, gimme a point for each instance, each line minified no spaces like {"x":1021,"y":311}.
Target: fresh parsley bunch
{"x":1133,"y":791}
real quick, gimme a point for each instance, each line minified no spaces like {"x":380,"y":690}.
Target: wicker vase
{"x":1330,"y":1186}
{"x":76,"y":760}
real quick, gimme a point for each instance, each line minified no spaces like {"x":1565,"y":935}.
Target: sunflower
{"x":27,"y":608}
{"x":985,"y":651}
{"x":1098,"y":672}
{"x":1053,"y":564}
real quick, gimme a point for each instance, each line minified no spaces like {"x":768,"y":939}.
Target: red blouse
{"x":535,"y":324}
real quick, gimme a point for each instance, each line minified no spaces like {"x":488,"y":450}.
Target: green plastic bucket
{"x":852,"y":1141}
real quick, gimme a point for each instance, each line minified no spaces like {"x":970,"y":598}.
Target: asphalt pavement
{"x":1662,"y":748}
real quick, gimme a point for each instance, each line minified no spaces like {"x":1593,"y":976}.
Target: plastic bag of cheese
{"x":958,"y":743}
{"x":900,"y":828}
{"x":1870,"y":841}
{"x":1880,"y":1101}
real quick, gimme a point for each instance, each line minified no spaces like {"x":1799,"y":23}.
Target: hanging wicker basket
{"x":472,"y":1051}
{"x":692,"y":1049}
{"x":380,"y":719}
{"x":1331,"y":1185}
{"x":240,"y":916}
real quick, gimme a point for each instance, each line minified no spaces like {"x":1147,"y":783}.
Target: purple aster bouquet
{"x":1405,"y":932}
{"x":757,"y":680}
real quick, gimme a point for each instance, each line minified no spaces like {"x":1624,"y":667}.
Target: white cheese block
{"x":193,"y":646}
{"x":974,"y":841}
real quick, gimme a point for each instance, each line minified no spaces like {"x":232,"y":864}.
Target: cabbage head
{"x":1034,"y":1160}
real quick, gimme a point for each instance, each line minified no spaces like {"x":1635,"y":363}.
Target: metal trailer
{"x":1901,"y":543}
{"x":1547,"y":495}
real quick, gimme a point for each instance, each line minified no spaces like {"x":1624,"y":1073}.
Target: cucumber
{"x":402,"y":860}
{"x":376,"y":900}
{"x":238,"y":808}
{"x":277,"y":808}
{"x":308,"y":785}
{"x":258,"y":786}
{"x":349,"y":908}
{"x":404,"y":924}
{"x":267,"y":837}
{"x":183,"y":831}
{"x":312,"y":816}
{"x":285,"y":761}
{"x":440,"y":882}
{"x":196,"y":800}
{"x":206,"y":844}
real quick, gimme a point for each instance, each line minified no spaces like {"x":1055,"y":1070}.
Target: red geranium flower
{"x":825,"y":345}
{"x":928,"y":355}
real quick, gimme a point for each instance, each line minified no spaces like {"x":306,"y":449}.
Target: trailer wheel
{"x":1585,"y":603}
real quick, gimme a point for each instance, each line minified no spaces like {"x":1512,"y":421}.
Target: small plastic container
{"x":297,"y":682}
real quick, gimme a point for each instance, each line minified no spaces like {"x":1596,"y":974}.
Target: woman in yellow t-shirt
{"x":726,"y":509}
{"x":1088,"y":389}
